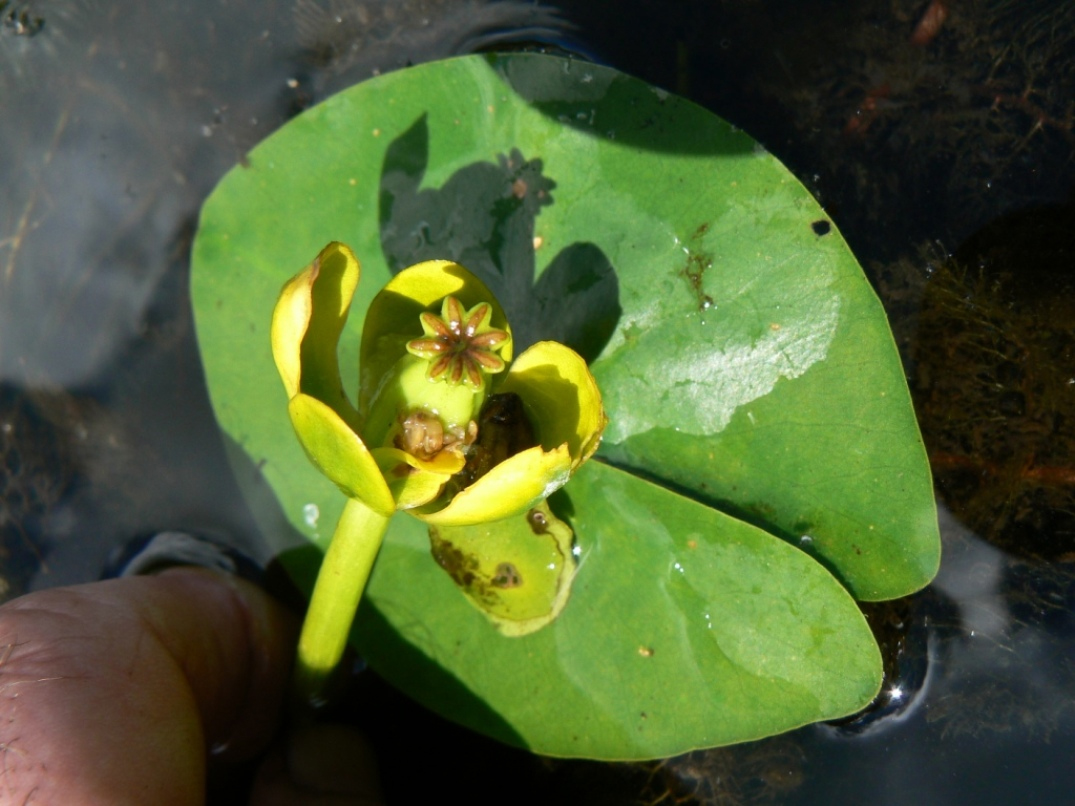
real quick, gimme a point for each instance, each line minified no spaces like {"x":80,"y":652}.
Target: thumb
{"x":112,"y":692}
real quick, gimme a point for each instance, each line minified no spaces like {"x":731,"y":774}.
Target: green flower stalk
{"x":447,"y":426}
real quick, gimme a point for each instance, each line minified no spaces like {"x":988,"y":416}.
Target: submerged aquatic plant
{"x":427,"y":436}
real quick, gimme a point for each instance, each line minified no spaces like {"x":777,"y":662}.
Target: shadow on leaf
{"x":483,"y":217}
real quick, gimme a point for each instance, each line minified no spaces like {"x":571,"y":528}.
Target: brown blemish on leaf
{"x":465,"y":571}
{"x":460,"y":566}
{"x":821,"y":227}
{"x":698,"y":261}
{"x":539,"y":524}
{"x":507,"y":576}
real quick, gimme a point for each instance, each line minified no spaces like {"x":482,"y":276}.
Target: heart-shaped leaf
{"x":761,"y":442}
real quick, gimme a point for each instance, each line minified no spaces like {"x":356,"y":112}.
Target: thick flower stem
{"x":339,"y":587}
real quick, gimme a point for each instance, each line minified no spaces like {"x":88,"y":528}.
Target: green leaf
{"x":685,"y":628}
{"x":746,"y":367}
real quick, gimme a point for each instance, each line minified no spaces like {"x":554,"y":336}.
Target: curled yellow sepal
{"x":308,"y":320}
{"x":306,"y":325}
{"x":338,"y":452}
{"x":414,"y":482}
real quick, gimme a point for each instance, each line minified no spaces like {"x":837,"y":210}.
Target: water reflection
{"x":346,"y":41}
{"x":118,"y":120}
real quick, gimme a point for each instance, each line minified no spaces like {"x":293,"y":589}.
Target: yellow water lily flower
{"x":447,"y":426}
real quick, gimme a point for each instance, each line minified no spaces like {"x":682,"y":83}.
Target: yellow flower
{"x":447,"y":426}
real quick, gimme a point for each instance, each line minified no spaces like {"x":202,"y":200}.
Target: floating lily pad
{"x":762,"y":464}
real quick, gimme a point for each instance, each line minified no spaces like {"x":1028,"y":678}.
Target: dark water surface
{"x":945,"y":154}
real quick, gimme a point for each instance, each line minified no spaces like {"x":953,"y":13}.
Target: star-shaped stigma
{"x":461,"y":346}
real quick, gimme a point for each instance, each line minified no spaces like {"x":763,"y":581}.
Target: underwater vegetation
{"x":993,"y":374}
{"x":345,"y":41}
{"x":903,"y":142}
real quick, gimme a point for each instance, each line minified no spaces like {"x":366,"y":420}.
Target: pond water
{"x":927,"y":129}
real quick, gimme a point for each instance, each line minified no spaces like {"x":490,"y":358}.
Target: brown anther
{"x":422,"y":435}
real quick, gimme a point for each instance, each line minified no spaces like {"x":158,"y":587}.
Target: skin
{"x":119,"y":692}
